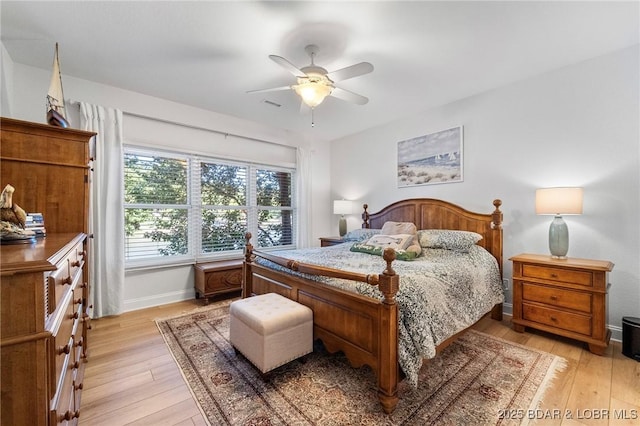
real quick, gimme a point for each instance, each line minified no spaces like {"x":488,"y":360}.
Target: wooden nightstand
{"x":330,"y":241}
{"x":214,"y":278}
{"x":567,"y":297}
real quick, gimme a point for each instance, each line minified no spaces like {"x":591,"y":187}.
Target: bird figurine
{"x":10,"y":211}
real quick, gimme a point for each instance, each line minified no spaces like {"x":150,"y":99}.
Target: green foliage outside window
{"x":159,"y":209}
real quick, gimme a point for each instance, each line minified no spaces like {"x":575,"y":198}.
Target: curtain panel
{"x":106,"y":214}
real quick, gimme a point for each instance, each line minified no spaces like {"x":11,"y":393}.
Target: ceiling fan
{"x":315,"y":83}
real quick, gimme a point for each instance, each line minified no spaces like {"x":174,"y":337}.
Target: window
{"x":181,"y":207}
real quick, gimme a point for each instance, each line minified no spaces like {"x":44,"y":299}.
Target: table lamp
{"x":558,"y":202}
{"x":342,"y":207}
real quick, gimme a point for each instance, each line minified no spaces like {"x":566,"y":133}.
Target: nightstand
{"x":218,"y":277}
{"x":330,"y":241}
{"x":567,"y":297}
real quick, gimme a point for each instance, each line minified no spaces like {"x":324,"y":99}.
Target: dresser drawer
{"x":76,"y":260}
{"x":63,"y":409}
{"x":63,"y":345}
{"x":556,"y":318}
{"x":58,"y":284}
{"x":557,"y":297}
{"x":557,"y":274}
{"x":59,"y":281}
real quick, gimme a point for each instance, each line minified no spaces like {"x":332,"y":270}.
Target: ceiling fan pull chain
{"x":313,"y":123}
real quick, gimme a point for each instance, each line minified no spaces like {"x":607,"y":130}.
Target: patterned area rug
{"x":473,"y":381}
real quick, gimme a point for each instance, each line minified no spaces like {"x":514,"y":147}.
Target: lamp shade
{"x":342,"y":207}
{"x":559,"y":201}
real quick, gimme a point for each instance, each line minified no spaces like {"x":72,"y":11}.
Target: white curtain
{"x":303,"y":203}
{"x":106,"y":213}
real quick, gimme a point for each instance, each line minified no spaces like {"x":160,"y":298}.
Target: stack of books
{"x":35,"y":223}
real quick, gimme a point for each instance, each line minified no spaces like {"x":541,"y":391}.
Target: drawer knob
{"x":74,"y":365}
{"x":554,"y":275}
{"x":553,"y":297}
{"x":67,"y":280}
{"x":78,"y":386}
{"x":75,"y":263}
{"x":74,"y":316}
{"x":64,"y":349}
{"x":554,"y":319}
{"x":70,"y":415}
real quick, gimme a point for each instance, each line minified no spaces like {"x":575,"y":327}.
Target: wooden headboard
{"x":429,"y":213}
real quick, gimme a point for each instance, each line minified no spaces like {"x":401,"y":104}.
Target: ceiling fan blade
{"x":348,"y":96}
{"x":350,"y":72}
{"x":274,"y":89}
{"x":287,"y":65}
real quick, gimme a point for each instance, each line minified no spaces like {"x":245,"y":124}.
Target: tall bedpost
{"x":388,"y":377}
{"x":365,"y":216}
{"x":496,"y":226}
{"x":246,"y":267}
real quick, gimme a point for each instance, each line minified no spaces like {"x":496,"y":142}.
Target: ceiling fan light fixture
{"x":313,"y":90}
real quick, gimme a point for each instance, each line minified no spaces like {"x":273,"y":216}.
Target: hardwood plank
{"x":173,"y":415}
{"x":625,"y":383}
{"x":591,"y":393}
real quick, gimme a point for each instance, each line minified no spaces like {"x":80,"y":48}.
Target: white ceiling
{"x":209,"y":54}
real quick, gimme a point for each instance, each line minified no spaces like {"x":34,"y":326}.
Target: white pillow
{"x":397,"y":242}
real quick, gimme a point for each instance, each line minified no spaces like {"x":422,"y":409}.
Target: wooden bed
{"x":366,"y":329}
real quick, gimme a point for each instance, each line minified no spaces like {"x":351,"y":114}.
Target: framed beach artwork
{"x":431,"y":158}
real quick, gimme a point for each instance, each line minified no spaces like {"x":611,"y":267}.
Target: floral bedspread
{"x":441,"y":292}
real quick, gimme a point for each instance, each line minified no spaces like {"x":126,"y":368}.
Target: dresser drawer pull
{"x":64,"y":349}
{"x":79,"y":343}
{"x":554,"y":319}
{"x":76,"y":263}
{"x":74,"y":316}
{"x":78,"y":386}
{"x":67,"y":280}
{"x":554,"y":298}
{"x":554,"y":275}
{"x":74,"y":366}
{"x":78,"y":301}
{"x":70,"y":415}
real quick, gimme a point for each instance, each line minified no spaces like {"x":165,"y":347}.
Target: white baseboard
{"x":158,"y":299}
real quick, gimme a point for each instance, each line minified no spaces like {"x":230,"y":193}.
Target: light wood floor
{"x":132,"y":379}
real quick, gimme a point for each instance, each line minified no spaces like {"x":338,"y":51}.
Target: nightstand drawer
{"x":557,"y":274}
{"x":556,"y":318}
{"x":557,"y":297}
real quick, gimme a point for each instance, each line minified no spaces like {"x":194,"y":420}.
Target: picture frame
{"x":431,"y":159}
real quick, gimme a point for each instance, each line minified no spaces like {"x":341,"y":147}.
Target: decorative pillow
{"x":379,"y":251}
{"x":448,"y":239}
{"x":397,"y":242}
{"x":362,"y":234}
{"x":393,"y":228}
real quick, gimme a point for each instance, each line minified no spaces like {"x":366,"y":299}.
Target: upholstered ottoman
{"x":270,"y":330}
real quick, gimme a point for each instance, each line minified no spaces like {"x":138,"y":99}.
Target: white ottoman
{"x":270,"y":330}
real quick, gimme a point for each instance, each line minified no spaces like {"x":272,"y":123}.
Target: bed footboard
{"x":365,"y":329}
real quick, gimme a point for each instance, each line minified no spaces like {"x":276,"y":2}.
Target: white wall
{"x":28,"y":87}
{"x":577,"y":126}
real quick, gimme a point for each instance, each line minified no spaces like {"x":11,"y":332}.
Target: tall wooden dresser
{"x":44,"y":284}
